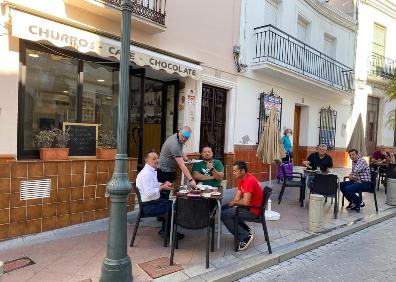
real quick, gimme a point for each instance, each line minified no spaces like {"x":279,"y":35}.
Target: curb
{"x":256,"y":263}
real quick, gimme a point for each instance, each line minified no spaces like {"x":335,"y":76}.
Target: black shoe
{"x":245,"y":243}
{"x":350,"y":206}
{"x":362,"y":204}
{"x":161,"y":219}
{"x":356,"y":208}
{"x":180,"y":236}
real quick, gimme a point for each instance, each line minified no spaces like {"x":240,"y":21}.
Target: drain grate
{"x":18,"y":263}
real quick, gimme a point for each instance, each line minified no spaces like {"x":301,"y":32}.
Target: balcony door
{"x":213,"y":117}
{"x":372,"y":124}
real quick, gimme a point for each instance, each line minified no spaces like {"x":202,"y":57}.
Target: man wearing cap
{"x":172,"y":155}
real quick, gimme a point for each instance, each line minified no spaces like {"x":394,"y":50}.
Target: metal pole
{"x":117,"y":264}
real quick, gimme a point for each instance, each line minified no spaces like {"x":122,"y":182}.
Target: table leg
{"x":172,"y":219}
{"x":219,"y":231}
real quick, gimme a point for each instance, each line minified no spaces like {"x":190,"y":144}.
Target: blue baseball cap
{"x":186,"y":134}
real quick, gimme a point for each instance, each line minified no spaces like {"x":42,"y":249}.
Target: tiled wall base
{"x":77,"y":194}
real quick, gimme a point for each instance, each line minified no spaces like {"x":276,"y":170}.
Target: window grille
{"x":266,"y":102}
{"x":327,"y":127}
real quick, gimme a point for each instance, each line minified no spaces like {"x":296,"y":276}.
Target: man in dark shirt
{"x":319,"y":160}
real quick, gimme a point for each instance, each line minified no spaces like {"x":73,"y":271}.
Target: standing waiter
{"x":171,"y":156}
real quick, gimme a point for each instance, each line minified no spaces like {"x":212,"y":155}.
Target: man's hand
{"x":307,"y":164}
{"x":166,"y":186}
{"x":193,"y":184}
{"x":209,"y":165}
{"x":351,"y":177}
{"x":231,"y":203}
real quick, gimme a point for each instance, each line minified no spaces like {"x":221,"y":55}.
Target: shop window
{"x":50,"y":94}
{"x":100,"y":96}
{"x":327,"y":127}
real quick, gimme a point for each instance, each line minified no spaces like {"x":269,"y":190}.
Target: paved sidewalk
{"x":76,"y":253}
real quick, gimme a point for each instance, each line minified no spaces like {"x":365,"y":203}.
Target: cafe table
{"x":204,"y":194}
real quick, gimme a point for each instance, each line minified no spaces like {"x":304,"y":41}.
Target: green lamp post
{"x":117,"y":265}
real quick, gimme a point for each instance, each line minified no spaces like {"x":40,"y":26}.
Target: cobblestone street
{"x":368,"y":255}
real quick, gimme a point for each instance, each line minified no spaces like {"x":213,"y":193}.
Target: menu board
{"x":83,"y":139}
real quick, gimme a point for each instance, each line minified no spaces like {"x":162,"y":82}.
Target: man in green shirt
{"x":210,"y":171}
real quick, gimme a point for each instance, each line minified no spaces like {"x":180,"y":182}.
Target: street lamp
{"x":117,"y":266}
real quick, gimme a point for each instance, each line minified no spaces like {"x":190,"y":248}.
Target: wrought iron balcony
{"x":277,"y":47}
{"x":381,"y":66}
{"x":153,"y":10}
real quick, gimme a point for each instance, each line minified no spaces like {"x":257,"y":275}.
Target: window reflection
{"x":50,"y":93}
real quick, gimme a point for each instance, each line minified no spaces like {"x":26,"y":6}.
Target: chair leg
{"x":375,"y":201}
{"x":331,"y":202}
{"x":236,"y":241}
{"x":325,"y":199}
{"x":166,"y":232}
{"x":302,"y":195}
{"x":266,"y":236}
{"x":281,"y":192}
{"x":135,"y":230}
{"x":213,"y":236}
{"x":174,"y":242}
{"x":207,"y":245}
{"x":335,"y":205}
{"x":342,"y":202}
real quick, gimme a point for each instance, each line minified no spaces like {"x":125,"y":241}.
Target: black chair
{"x":294,"y":179}
{"x":261,"y":219}
{"x":374,"y":175}
{"x":193,"y":213}
{"x":142,"y":215}
{"x":327,"y":185}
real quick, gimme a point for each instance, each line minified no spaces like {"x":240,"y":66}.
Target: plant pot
{"x":54,"y":154}
{"x":105,"y":154}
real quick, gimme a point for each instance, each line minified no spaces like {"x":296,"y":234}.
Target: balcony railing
{"x":277,"y":47}
{"x":381,"y":66}
{"x":153,"y":10}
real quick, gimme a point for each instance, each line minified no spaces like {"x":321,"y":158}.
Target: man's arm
{"x":245,"y":201}
{"x":198,"y":176}
{"x":184,"y":169}
{"x":218,"y":175}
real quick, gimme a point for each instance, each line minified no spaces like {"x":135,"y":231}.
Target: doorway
{"x":296,"y":135}
{"x":213,"y":118}
{"x":372,"y":124}
{"x":152,"y":113}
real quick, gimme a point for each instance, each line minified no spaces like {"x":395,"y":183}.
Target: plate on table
{"x":195,"y":191}
{"x":183,"y":192}
{"x":216,"y":193}
{"x":206,"y":195}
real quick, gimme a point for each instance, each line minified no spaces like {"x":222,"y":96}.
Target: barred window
{"x":327,"y":127}
{"x":266,"y":102}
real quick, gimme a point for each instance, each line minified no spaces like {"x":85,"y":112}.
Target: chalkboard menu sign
{"x":83,"y":138}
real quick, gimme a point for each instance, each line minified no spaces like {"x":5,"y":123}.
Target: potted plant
{"x":107,"y":145}
{"x":52,"y":144}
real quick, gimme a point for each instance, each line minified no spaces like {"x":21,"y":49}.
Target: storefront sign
{"x":37,"y":29}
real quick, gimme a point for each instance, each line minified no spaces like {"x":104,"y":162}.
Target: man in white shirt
{"x":149,"y":188}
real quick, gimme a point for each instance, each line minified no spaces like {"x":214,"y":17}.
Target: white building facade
{"x":303,"y":52}
{"x":375,"y":65}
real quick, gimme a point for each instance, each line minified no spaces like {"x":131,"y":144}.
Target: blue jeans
{"x":350,"y":189}
{"x":157,"y":208}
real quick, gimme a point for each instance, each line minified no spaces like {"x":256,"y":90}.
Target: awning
{"x":33,"y":28}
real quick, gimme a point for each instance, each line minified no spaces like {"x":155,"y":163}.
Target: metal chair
{"x":142,"y":215}
{"x":374,"y":180}
{"x":294,"y":179}
{"x":327,"y":185}
{"x":261,"y":219}
{"x":193,"y":213}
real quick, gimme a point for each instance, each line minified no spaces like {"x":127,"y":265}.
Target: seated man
{"x":209,"y":172}
{"x":149,"y":188}
{"x":317,"y":160}
{"x":360,"y":180}
{"x":380,"y":157}
{"x":249,"y":193}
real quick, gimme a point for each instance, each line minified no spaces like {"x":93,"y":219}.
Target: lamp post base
{"x":116,"y":270}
